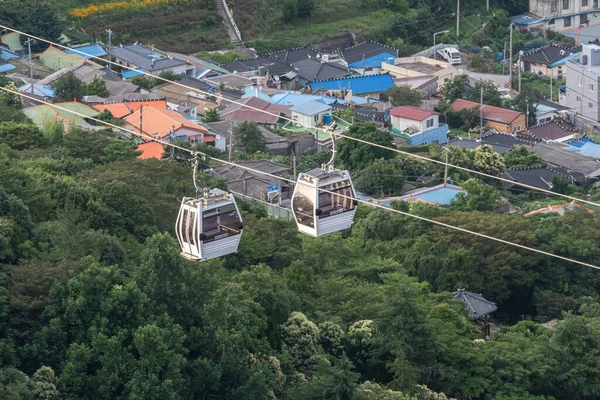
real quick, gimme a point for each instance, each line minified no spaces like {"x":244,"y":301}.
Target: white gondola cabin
{"x":209,"y":226}
{"x":331,"y":209}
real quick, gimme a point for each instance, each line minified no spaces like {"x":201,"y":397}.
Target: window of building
{"x":590,"y":105}
{"x":595,"y":3}
{"x":584,"y":3}
{"x":566,"y":4}
{"x":567,"y":21}
{"x":583,"y":19}
{"x":551,"y":22}
{"x":430,"y":123}
{"x":554,"y":6}
{"x":577,"y":98}
{"x":591,"y":86}
{"x":580,"y":81}
{"x":317,"y":118}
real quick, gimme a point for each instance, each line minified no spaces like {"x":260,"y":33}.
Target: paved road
{"x":500,"y":80}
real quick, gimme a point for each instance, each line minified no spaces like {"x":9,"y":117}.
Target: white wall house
{"x":310,"y":113}
{"x":417,"y":125}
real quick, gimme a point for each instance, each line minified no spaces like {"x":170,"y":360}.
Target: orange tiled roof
{"x":151,"y":150}
{"x":158,"y":122}
{"x":124,"y":108}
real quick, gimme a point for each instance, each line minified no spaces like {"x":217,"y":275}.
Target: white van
{"x":451,"y":55}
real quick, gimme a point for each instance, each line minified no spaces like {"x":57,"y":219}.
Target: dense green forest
{"x":96,"y":302}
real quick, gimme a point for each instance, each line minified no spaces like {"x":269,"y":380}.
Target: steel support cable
{"x":306,"y":125}
{"x":196,"y":153}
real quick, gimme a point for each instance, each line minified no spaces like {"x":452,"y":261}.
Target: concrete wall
{"x":557,"y":72}
{"x":436,"y":135}
{"x":521,"y":122}
{"x":308,"y":120}
{"x":544,"y":9}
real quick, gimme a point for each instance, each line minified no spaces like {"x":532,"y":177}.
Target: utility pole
{"x":30,"y":63}
{"x":481,"y":112}
{"x":503,"y":58}
{"x":527,"y":108}
{"x":510,"y":56}
{"x":457,"y":18}
{"x":487,"y":5}
{"x":519,"y":66}
{"x":230,"y":140}
{"x":109,"y":32}
{"x":294,"y":162}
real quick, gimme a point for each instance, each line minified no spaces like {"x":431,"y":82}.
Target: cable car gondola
{"x":324,"y":200}
{"x":208,"y":226}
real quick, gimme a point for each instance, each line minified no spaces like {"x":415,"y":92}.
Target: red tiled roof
{"x":158,"y":122}
{"x":123,"y":109}
{"x":151,"y":150}
{"x":491,"y":113}
{"x":414,"y":113}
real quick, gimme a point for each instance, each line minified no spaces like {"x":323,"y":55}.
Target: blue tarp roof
{"x":311,"y":107}
{"x":38,"y":90}
{"x":375,"y":61}
{"x":8,"y":55}
{"x":6,"y":67}
{"x":586,"y":147}
{"x":131,"y":73}
{"x":524,"y":19}
{"x":92,"y":50}
{"x":358,"y":85}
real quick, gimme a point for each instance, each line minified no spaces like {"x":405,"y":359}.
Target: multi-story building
{"x":418,"y":126}
{"x":562,"y":15}
{"x":583,"y":81}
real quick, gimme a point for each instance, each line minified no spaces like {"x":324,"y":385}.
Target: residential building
{"x":56,"y":59}
{"x":539,"y":177}
{"x":148,"y":59}
{"x":420,"y":66}
{"x":556,"y":130}
{"x":151,"y":149}
{"x":253,"y":109}
{"x":205,"y":68}
{"x":501,"y":119}
{"x":561,"y":156}
{"x":427,"y":84}
{"x":292,"y":56}
{"x":293,"y":99}
{"x":548,"y":60}
{"x":373,"y":86}
{"x":265,"y":70}
{"x":364,"y":113}
{"x":419,"y":126}
{"x":230,"y":81}
{"x":586,"y":146}
{"x":89,"y":52}
{"x":442,"y":194}
{"x":40,"y":91}
{"x":125,"y":108}
{"x":5,"y":67}
{"x":311,"y":113}
{"x":13,"y":41}
{"x":68,"y":115}
{"x":159,"y":123}
{"x":558,"y":209}
{"x":583,"y":78}
{"x":563,"y":15}
{"x":255,"y":184}
{"x":309,"y":70}
{"x":545,"y":111}
{"x":368,"y":55}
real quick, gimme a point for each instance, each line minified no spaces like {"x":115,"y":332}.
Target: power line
{"x":304,"y":124}
{"x":195,"y":153}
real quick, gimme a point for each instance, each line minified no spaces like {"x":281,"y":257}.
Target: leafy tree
{"x":68,"y":87}
{"x":11,"y":100}
{"x":247,"y":135}
{"x":488,"y":161}
{"x":143,"y":81}
{"x":304,"y":8}
{"x":119,"y":150}
{"x":45,"y":384}
{"x":301,"y":340}
{"x":479,"y":196}
{"x":520,"y":157}
{"x":81,"y":143}
{"x":355,"y":155}
{"x":526,"y":103}
{"x":463,"y":119}
{"x":212,"y":115}
{"x":36,"y":19}
{"x":457,"y":88}
{"x":19,"y":136}
{"x":14,"y":384}
{"x":97,"y":87}
{"x":288,"y":11}
{"x":168,"y":75}
{"x":382,"y":178}
{"x":491,"y":94}
{"x":404,"y":96}
{"x":561,"y":185}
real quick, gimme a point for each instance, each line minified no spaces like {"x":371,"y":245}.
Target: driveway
{"x":500,"y":80}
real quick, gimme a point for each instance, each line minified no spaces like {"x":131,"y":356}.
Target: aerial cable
{"x":306,"y":125}
{"x":439,"y":223}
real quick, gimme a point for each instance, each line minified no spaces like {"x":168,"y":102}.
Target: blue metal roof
{"x":131,"y":73}
{"x":564,"y":60}
{"x":8,"y":55}
{"x":524,"y":19}
{"x":311,"y":107}
{"x":253,"y":91}
{"x":375,"y":61}
{"x":38,"y":90}
{"x":358,"y":85}
{"x":92,"y":50}
{"x":6,"y":67}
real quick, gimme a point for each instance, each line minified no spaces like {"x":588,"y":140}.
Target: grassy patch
{"x":222,"y":58}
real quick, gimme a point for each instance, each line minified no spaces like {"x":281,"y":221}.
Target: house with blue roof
{"x":311,"y":113}
{"x":292,"y":99}
{"x":372,"y":86}
{"x":36,"y":89}
{"x":5,"y":67}
{"x":91,"y":51}
{"x":7,"y":54}
{"x":369,"y":55}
